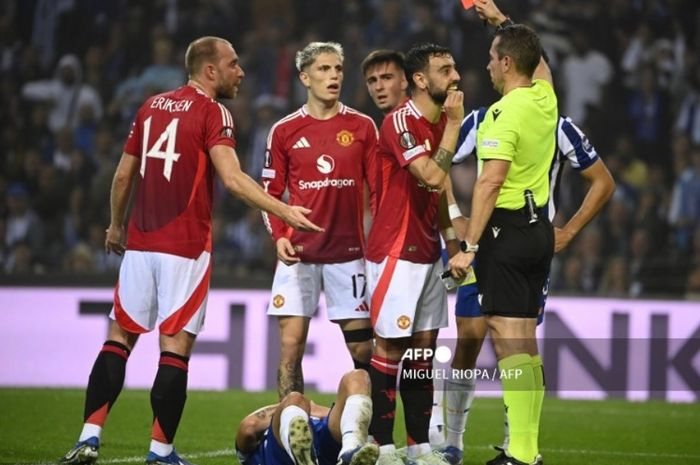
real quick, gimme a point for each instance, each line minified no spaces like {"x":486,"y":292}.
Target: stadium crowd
{"x":73,"y":72}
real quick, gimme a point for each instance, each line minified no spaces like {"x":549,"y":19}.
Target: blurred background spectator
{"x":73,"y":73}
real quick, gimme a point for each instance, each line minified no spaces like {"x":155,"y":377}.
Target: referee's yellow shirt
{"x":521,"y":128}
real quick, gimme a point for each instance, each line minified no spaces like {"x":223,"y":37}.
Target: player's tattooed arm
{"x":265,"y":413}
{"x":443,"y":158}
{"x":252,"y":428}
{"x":289,"y":378}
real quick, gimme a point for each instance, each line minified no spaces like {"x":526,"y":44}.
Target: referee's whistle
{"x":531,"y":207}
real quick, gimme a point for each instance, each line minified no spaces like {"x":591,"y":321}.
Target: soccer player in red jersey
{"x":178,"y":141}
{"x":408,"y":303}
{"x":385,"y":79}
{"x":383,"y":71}
{"x":323,"y":154}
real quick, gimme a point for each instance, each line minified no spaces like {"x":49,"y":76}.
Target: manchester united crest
{"x":345,"y":138}
{"x":278,"y":301}
{"x":403,"y":322}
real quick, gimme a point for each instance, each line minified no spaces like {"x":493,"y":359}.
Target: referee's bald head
{"x":521,"y":44}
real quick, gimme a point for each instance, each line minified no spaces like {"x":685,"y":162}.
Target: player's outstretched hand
{"x":296,"y":218}
{"x":487,"y":9}
{"x":460,"y":263}
{"x":114,"y":240}
{"x":286,"y":252}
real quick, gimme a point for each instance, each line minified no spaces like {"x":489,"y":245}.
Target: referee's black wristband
{"x":507,"y":22}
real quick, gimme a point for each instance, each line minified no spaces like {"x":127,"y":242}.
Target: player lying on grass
{"x":298,"y":432}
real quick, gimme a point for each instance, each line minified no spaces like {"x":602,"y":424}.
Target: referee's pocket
{"x":550,"y":238}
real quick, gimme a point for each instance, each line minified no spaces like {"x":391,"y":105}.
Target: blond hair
{"x":308,"y":54}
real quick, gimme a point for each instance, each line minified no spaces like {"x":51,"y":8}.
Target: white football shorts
{"x":405,"y":297}
{"x":163,"y":289}
{"x":296,"y":289}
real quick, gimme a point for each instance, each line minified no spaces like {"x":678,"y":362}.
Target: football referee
{"x":508,"y":227}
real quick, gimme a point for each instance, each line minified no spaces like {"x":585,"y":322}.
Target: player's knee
{"x":119,"y":334}
{"x":391,"y":349}
{"x":295,"y":398}
{"x":472,"y":333}
{"x":466,"y":354}
{"x":356,"y":381}
{"x":248,"y":427}
{"x":361,"y":351}
{"x":292,"y":346}
{"x":469,"y":344}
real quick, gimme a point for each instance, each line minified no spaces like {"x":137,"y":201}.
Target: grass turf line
{"x":38,"y":425}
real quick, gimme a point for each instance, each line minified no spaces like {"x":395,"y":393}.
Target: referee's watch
{"x":506,"y":22}
{"x":467,"y":247}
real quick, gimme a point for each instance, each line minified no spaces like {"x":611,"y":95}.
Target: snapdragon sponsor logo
{"x":327,"y":182}
{"x":325,"y":164}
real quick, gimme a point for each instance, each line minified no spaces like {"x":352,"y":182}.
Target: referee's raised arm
{"x":509,"y":227}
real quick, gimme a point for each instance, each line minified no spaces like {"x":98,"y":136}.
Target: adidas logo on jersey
{"x":301,"y":144}
{"x":363,"y":307}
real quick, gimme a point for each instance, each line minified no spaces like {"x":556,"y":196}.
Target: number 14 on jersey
{"x":167,"y":138}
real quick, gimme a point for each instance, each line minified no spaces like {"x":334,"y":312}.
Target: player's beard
{"x":439,"y":95}
{"x":225,"y":89}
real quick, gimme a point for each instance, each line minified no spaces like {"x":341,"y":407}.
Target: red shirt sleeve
{"x":274,"y":181}
{"x":219,"y":128}
{"x":133,"y":144}
{"x":402,"y":135}
{"x":370,"y":165}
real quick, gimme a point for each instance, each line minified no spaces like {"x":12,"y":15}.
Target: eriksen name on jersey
{"x":172,"y":106}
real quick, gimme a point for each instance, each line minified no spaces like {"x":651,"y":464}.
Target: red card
{"x":467,"y":4}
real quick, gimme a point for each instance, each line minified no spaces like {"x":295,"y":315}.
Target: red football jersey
{"x":324,"y":165}
{"x":406,"y":223}
{"x":172,"y":135}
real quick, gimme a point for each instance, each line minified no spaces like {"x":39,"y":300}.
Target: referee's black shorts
{"x":513,"y":263}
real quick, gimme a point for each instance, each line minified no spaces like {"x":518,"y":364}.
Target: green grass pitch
{"x":38,"y":425}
